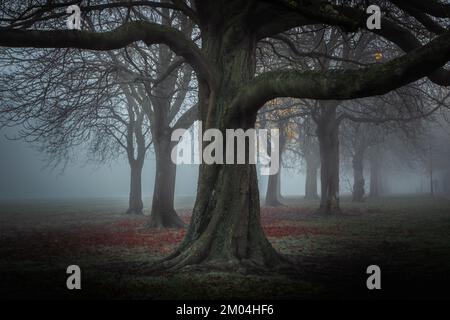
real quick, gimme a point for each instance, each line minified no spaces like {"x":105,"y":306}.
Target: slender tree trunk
{"x":328,"y":134}
{"x":358,"y":176}
{"x":431,"y":173}
{"x":273,"y":193}
{"x":135,"y":142}
{"x":375,"y":187}
{"x":163,"y":214}
{"x":225,"y":229}
{"x":312,"y":165}
{"x":135,"y":204}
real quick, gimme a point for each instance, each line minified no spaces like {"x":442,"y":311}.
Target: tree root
{"x":195,"y":259}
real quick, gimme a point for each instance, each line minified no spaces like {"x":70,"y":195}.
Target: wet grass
{"x":408,"y":237}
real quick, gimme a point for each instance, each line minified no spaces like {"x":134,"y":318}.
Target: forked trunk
{"x":163,"y":214}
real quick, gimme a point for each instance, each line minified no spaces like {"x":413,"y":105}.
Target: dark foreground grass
{"x":408,"y":237}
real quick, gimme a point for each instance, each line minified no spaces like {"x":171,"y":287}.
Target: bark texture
{"x":273,"y":194}
{"x":135,"y":204}
{"x":163,"y":214}
{"x":312,"y":166}
{"x":136,"y":149}
{"x":328,"y":135}
{"x":225,"y":229}
{"x":166,"y":104}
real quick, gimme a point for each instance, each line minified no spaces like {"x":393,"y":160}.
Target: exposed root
{"x":186,"y":263}
{"x":197,"y":258}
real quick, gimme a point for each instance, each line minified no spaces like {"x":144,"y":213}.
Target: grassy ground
{"x":408,"y":237}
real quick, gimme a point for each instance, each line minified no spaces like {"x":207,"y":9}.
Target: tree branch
{"x":345,"y":84}
{"x":150,"y":33}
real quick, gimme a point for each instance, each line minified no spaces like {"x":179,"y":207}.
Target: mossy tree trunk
{"x":225,"y":229}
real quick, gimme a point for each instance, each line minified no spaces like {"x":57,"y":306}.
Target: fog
{"x":26,"y":175}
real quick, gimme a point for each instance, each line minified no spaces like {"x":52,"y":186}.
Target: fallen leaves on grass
{"x":131,"y":232}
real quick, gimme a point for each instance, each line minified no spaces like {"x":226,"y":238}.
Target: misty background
{"x":25,"y":175}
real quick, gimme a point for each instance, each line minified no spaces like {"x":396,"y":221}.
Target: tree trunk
{"x":431,"y":173}
{"x":135,"y":142}
{"x":375,"y":187}
{"x":358,"y":176}
{"x":312,"y":165}
{"x":163,"y":214}
{"x":327,"y":132}
{"x":225,"y":230}
{"x":135,"y":204}
{"x":273,"y":193}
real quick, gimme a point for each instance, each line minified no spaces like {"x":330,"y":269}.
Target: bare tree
{"x":225,"y":231}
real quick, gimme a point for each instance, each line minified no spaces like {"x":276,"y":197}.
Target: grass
{"x":407,"y":236}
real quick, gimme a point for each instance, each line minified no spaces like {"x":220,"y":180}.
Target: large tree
{"x":225,"y":230}
{"x":152,"y":85}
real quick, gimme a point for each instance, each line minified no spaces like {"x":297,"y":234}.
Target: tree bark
{"x":358,"y":176}
{"x":273,"y":193}
{"x":375,"y":187}
{"x":312,"y":165}
{"x":327,"y":132}
{"x":135,"y":142}
{"x":163,"y":214}
{"x":135,"y":204}
{"x":225,"y":230}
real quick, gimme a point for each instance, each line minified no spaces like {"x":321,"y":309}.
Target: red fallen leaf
{"x":130,"y":232}
{"x":131,"y":222}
